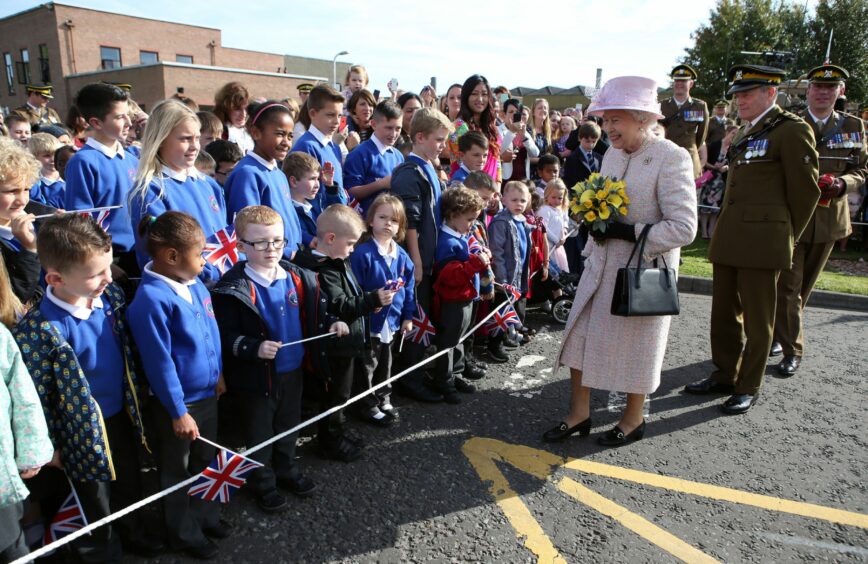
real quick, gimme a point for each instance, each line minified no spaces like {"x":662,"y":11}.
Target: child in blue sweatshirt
{"x":261,"y":305}
{"x":18,"y":171}
{"x":368,"y":169}
{"x":304,"y":175}
{"x":79,"y":353}
{"x":172,"y":321}
{"x":256,"y":179}
{"x":472,"y":153}
{"x":102,"y":172}
{"x":51,"y":188}
{"x":325,"y":106}
{"x":168,"y":180}
{"x":378,"y":263}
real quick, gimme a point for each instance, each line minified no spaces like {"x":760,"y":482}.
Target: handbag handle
{"x":640,"y":245}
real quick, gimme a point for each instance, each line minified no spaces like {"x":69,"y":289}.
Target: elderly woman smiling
{"x":625,"y":354}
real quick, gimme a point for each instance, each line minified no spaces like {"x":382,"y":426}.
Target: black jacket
{"x":410,"y":183}
{"x":242,"y":328}
{"x":24,"y":268}
{"x":346,"y":301}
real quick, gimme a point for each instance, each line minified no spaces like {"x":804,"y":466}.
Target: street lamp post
{"x":335,"y":68}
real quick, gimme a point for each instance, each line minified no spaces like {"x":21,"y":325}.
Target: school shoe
{"x":419,"y":393}
{"x":471,"y":360}
{"x":616,"y":437}
{"x":497,"y":353}
{"x":378,"y":419}
{"x":205,"y":551}
{"x":391,"y":412}
{"x":473,"y":372}
{"x":221,"y":530}
{"x":271,"y":502}
{"x":464,"y":386}
{"x":510,"y":343}
{"x":342,"y":450}
{"x":144,"y":545}
{"x":298,"y":485}
{"x":452,"y":397}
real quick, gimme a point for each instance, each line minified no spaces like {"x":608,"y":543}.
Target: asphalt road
{"x":417,"y":497}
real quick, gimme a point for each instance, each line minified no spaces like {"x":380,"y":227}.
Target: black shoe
{"x":392,"y":413}
{"x":144,"y":545}
{"x":354,"y":438}
{"x":382,"y":421}
{"x":452,"y":397}
{"x":420,"y":393}
{"x":776,"y":349}
{"x":221,"y":530}
{"x":525,"y":339}
{"x":463,"y":386}
{"x":789,"y":365}
{"x":298,"y":486}
{"x":510,"y":343}
{"x":471,"y":360}
{"x":497,"y":353}
{"x":708,"y":386}
{"x":205,"y":551}
{"x":342,"y":450}
{"x":561,"y":432}
{"x":473,"y":372}
{"x":616,"y":437}
{"x":738,"y":404}
{"x":271,"y":502}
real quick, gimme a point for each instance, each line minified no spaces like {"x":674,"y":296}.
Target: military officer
{"x":843,"y":153}
{"x":36,"y":110}
{"x":685,"y":118}
{"x":865,"y":114}
{"x":771,"y":192}
{"x":304,"y":91}
{"x":717,"y":123}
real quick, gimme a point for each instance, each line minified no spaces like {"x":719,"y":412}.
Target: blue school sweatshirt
{"x":252,"y":183}
{"x":93,"y":179}
{"x":307,"y":222}
{"x":192,"y":193}
{"x":460,"y":174}
{"x":97,"y":347}
{"x":179,"y":340}
{"x":323,"y":153}
{"x":372,"y":272}
{"x":452,"y":246}
{"x":368,"y":162}
{"x":49,"y":193}
{"x":278,"y":305}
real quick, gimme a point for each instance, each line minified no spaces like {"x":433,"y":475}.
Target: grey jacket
{"x":507,"y":262}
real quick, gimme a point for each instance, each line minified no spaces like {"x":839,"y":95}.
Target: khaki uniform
{"x":843,"y":153}
{"x":716,"y":130}
{"x":768,"y":201}
{"x":35,"y":116}
{"x":689,"y":133}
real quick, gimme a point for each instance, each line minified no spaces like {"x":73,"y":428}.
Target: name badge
{"x":757,"y":148}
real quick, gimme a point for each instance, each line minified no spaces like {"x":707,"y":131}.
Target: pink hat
{"x":627,"y":93}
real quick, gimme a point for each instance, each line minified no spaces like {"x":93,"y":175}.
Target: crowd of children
{"x":190,"y":270}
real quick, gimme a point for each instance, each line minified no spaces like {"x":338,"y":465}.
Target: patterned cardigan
{"x":75,"y":421}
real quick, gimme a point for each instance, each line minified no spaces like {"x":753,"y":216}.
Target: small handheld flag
{"x":423,"y":329}
{"x":227,"y":473}
{"x":68,"y":519}
{"x":501,"y":321}
{"x":220,"y":249}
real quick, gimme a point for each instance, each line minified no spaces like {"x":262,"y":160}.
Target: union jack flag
{"x":502,"y":320}
{"x":473,"y":245}
{"x":222,"y":477}
{"x":220,"y":249}
{"x":423,"y":329}
{"x":394,"y":285}
{"x":101,"y":218}
{"x":511,"y":292}
{"x":68,"y":519}
{"x":355,"y":204}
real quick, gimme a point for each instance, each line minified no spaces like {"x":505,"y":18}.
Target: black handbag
{"x":645,"y":291}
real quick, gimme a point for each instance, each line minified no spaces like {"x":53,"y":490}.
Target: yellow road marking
{"x":639,"y":525}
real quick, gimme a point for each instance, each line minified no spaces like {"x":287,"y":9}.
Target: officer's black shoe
{"x":739,"y":403}
{"x":776,"y":349}
{"x":708,"y":386}
{"x":789,"y":365}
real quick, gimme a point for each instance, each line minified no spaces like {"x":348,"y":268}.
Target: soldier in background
{"x":841,"y":145}
{"x":717,"y":123}
{"x":685,"y":118}
{"x":36,"y":110}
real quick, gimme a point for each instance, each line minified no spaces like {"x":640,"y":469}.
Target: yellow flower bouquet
{"x":599,"y":201}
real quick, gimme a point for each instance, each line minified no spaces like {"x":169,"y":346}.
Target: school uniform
{"x":49,"y":192}
{"x":373,"y":267}
{"x":319,"y":145}
{"x":255,"y":181}
{"x":99,"y":175}
{"x":82,"y":363}
{"x":510,"y":240}
{"x":456,"y":286}
{"x":367,"y":163}
{"x":306,"y":221}
{"x":22,"y":265}
{"x":460,"y":175}
{"x":191,"y":192}
{"x":174,"y":324}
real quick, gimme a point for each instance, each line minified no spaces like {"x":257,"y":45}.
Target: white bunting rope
{"x":88,"y":210}
{"x":180,"y":485}
{"x":323,"y":336}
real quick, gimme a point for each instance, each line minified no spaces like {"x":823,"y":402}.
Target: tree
{"x":849,"y":19}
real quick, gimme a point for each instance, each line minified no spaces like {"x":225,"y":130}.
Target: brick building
{"x":68,"y":47}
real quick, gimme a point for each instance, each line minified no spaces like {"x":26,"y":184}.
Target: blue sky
{"x":558,"y":42}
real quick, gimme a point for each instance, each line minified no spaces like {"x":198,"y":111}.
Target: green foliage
{"x":766,"y":25}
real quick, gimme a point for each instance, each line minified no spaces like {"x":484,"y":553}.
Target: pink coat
{"x":626,"y":353}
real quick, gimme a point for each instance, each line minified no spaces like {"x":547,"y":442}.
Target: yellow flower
{"x":586,"y":196}
{"x":594,"y":176}
{"x":588,"y":204}
{"x":605,"y":212}
{"x":623,"y":210}
{"x":622,"y":193}
{"x":614,"y":199}
{"x":601,"y":194}
{"x":626,"y":201}
{"x":590,"y":216}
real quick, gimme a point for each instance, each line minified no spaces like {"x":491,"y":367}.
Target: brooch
{"x":647,"y":161}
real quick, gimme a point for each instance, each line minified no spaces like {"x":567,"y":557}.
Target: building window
{"x":44,"y":71}
{"x":24,"y":67}
{"x":111,"y":57}
{"x":148,"y":57}
{"x":10,"y":73}
{"x":184,"y":59}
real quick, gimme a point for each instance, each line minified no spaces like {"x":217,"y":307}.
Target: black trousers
{"x":100,"y":499}
{"x":452,"y":323}
{"x":12,"y":544}
{"x":338,"y":389}
{"x":178,"y":459}
{"x":266,"y":416}
{"x":375,"y":368}
{"x":414,"y":353}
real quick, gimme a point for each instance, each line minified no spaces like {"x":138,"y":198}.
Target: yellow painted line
{"x":639,"y":525}
{"x":811,"y":510}
{"x":481,"y":455}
